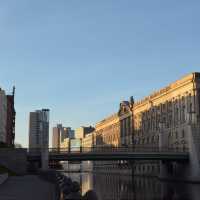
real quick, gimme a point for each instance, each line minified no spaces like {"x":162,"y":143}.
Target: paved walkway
{"x":26,"y":188}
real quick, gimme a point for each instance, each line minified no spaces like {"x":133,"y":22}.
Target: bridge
{"x":111,"y":153}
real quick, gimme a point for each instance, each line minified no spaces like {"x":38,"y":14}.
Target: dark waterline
{"x":122,"y":187}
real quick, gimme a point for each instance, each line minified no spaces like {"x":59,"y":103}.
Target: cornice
{"x":168,"y":89}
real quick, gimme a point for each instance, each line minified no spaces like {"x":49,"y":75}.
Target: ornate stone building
{"x":163,"y":120}
{"x":168,"y":119}
{"x":107,"y":134}
{"x":126,"y":122}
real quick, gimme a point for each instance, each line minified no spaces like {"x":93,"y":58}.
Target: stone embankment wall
{"x":14,"y":159}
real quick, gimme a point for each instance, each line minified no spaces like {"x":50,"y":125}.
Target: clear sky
{"x":80,"y":58}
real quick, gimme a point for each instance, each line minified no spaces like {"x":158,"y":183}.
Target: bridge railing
{"x":117,"y":150}
{"x":104,"y":149}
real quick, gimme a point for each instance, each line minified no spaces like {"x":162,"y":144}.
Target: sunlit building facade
{"x":60,"y":133}
{"x":87,"y":146}
{"x":163,"y":119}
{"x":107,"y":134}
{"x":82,"y":131}
{"x":125,"y":115}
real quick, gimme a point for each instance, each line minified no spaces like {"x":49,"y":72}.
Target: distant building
{"x":65,"y":145}
{"x":60,"y":133}
{"x":81,"y":132}
{"x":3,"y":116}
{"x":87,"y":145}
{"x":39,"y":129}
{"x":87,"y":141}
{"x":10,"y":124}
{"x":56,"y":138}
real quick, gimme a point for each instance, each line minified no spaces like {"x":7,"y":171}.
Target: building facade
{"x":3,"y":116}
{"x":107,"y":134}
{"x":65,"y":145}
{"x":56,"y":138}
{"x":126,"y":122}
{"x":163,"y":120}
{"x":82,"y":131}
{"x":87,"y":146}
{"x":39,"y":129}
{"x":60,"y":133}
{"x":10,"y":122}
{"x":168,"y":119}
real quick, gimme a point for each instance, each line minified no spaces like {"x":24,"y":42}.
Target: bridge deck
{"x":94,"y":156}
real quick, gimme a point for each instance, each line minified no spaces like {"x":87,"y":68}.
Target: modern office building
{"x":60,"y":133}
{"x":39,"y":129}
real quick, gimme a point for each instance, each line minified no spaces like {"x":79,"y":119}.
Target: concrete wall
{"x":14,"y":159}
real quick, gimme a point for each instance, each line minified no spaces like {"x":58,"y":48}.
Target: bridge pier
{"x":45,"y":158}
{"x":193,"y":170}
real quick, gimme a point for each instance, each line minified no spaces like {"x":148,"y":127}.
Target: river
{"x":121,"y":187}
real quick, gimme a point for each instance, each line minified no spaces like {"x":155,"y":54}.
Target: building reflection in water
{"x":116,"y":187}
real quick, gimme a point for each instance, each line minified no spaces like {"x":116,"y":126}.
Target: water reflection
{"x":116,"y":187}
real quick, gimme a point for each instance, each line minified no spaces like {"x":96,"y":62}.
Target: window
{"x":152,"y":139}
{"x":143,"y":141}
{"x":183,"y":133}
{"x":176,"y":135}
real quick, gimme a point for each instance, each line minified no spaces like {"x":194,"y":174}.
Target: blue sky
{"x":81,"y":58}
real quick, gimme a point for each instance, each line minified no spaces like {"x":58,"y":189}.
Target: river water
{"x":123,"y":187}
